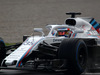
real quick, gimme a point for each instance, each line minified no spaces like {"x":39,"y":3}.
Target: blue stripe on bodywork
{"x":95,"y":25}
{"x":92,"y":21}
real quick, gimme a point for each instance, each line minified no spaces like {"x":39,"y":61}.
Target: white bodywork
{"x":82,"y":29}
{"x":23,"y":51}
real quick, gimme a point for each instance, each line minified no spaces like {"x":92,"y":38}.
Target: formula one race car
{"x":72,"y":48}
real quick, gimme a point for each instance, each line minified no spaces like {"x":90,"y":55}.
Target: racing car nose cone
{"x":10,"y":62}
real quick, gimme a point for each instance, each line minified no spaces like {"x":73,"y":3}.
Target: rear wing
{"x":95,"y":25}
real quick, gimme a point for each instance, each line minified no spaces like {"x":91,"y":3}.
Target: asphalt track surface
{"x":21,"y":72}
{"x":19,"y":17}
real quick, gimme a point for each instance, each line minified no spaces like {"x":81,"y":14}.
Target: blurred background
{"x":19,"y":17}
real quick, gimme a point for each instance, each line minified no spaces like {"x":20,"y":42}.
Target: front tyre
{"x":75,"y":52}
{"x":2,"y":51}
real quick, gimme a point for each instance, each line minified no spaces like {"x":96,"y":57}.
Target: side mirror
{"x":39,"y":30}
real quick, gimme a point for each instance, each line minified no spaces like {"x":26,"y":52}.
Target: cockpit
{"x":66,"y":32}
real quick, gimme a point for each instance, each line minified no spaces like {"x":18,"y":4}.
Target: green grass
{"x":7,"y":44}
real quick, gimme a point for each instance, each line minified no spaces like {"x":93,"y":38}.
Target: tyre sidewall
{"x":2,"y":51}
{"x":80,"y":47}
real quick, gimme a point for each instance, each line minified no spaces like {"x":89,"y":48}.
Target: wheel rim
{"x":82,"y":57}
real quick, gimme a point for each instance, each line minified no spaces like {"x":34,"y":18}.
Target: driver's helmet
{"x":64,"y":32}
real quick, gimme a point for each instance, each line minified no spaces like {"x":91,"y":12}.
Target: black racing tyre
{"x":2,"y":51}
{"x":75,"y":52}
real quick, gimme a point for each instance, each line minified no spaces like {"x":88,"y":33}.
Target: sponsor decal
{"x":83,"y":26}
{"x":55,"y":40}
{"x":28,"y":43}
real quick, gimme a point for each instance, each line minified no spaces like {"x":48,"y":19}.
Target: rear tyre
{"x":2,"y":51}
{"x":75,"y":52}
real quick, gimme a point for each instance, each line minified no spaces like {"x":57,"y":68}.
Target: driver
{"x":64,"y":32}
